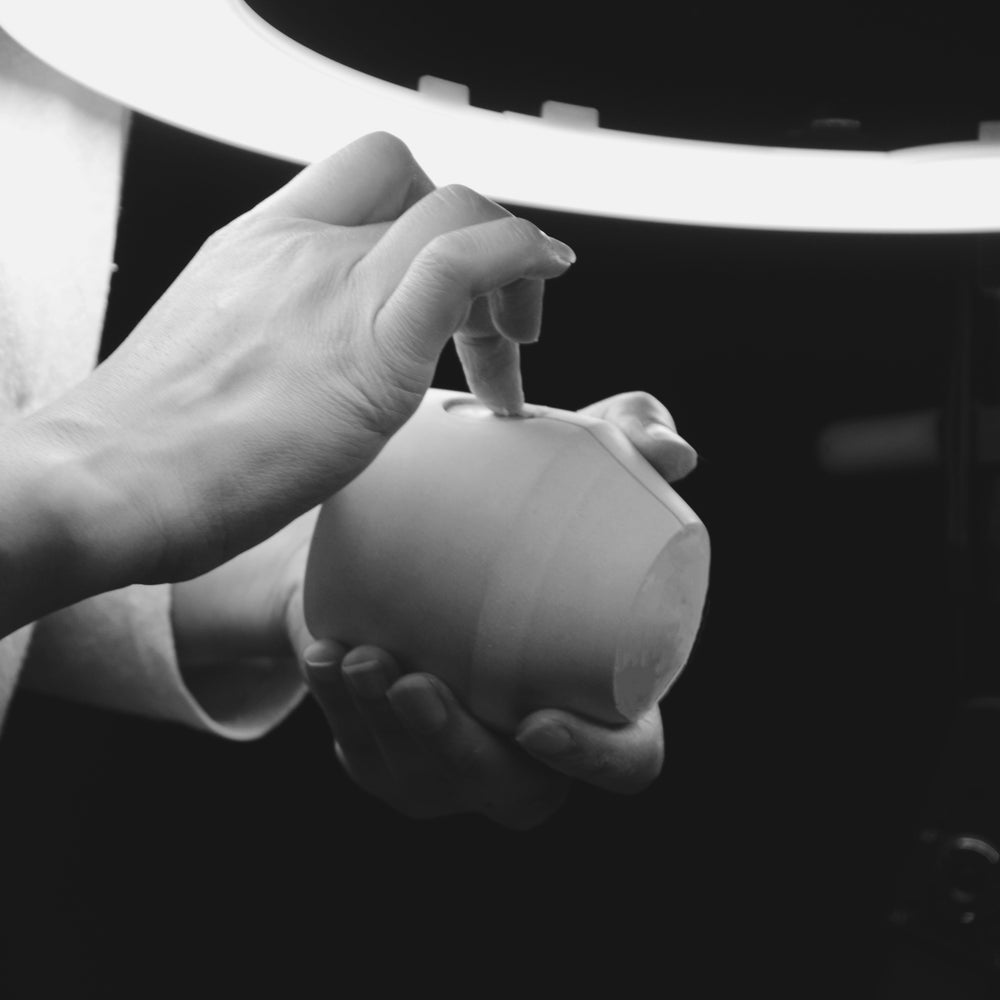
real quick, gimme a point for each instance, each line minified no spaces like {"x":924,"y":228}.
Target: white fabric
{"x":61,"y":150}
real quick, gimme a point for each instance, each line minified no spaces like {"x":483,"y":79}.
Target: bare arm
{"x":60,"y":177}
{"x":274,"y":369}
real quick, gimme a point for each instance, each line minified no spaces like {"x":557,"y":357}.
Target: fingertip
{"x":664,"y":433}
{"x":384,"y":145}
{"x":369,"y":672}
{"x":366,"y":654}
{"x":682,"y":466}
{"x":322,"y":656}
{"x":665,"y":449}
{"x":492,"y":370}
{"x":563,"y":252}
{"x":546,"y":735}
{"x":622,"y":759}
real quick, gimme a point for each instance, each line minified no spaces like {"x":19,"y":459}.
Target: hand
{"x":277,"y":365}
{"x":406,"y":740}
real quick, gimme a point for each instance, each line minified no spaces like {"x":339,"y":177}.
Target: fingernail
{"x":366,"y":679}
{"x":419,"y":705}
{"x":546,"y":740}
{"x":319,"y":658}
{"x":563,"y":251}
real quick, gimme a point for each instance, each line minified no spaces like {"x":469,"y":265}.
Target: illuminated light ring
{"x":214,"y":67}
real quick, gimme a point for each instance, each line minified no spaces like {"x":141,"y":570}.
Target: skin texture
{"x":273,"y":370}
{"x":366,"y":307}
{"x":405,"y":738}
{"x":297,"y":340}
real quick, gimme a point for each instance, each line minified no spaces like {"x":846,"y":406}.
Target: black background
{"x":149,"y":860}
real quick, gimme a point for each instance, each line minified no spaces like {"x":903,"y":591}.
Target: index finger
{"x":488,"y":343}
{"x":432,"y":265}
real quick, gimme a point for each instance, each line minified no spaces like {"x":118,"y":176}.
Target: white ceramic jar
{"x":532,"y":562}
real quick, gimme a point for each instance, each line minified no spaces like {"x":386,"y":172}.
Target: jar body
{"x":530,"y":563}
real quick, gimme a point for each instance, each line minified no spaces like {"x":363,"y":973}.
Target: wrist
{"x":67,"y":530}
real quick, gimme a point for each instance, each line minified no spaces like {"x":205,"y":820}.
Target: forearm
{"x":67,"y":531}
{"x":59,"y":206}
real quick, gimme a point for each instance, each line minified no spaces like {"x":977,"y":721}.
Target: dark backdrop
{"x":148,"y":860}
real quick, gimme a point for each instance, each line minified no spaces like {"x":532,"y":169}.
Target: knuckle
{"x":648,"y":401}
{"x":461,"y":196}
{"x":390,"y":147}
{"x":524,"y":231}
{"x":638,"y":405}
{"x":470,"y":205}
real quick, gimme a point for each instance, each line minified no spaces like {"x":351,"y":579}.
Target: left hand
{"x":408,"y":741}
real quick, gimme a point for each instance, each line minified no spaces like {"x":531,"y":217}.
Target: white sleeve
{"x":116,"y":651}
{"x":13,"y":649}
{"x":59,"y":205}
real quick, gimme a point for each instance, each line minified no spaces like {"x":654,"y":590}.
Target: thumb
{"x":316,"y":657}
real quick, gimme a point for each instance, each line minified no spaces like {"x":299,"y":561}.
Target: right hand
{"x":406,"y":739}
{"x":296,"y":342}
